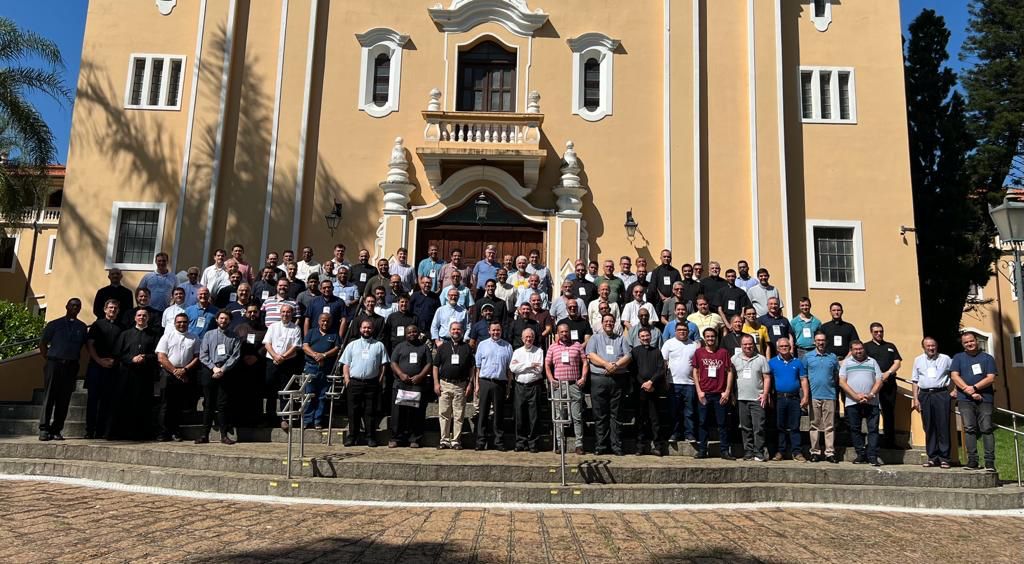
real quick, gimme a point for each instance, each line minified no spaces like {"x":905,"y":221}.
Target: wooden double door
{"x":509,"y":240}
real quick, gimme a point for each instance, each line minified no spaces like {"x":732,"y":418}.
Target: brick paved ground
{"x":51,"y":522}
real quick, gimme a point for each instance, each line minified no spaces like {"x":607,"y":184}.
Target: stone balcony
{"x":504,"y":139}
{"x":44,"y":217}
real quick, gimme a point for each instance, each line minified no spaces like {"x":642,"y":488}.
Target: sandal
{"x":944,"y":465}
{"x":929,"y":464}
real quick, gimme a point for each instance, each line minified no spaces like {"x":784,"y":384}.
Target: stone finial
{"x":533,"y":102}
{"x":398,"y":165}
{"x":397,"y":187}
{"x":570,"y":190}
{"x":166,"y":6}
{"x":434,"y":105}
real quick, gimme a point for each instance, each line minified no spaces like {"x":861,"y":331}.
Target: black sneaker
{"x":861,"y":459}
{"x":372,"y":443}
{"x":617,"y":451}
{"x":832,"y":459}
{"x":349,"y":442}
{"x":163,"y":438}
{"x":876,"y":462}
{"x":814,"y":458}
{"x":990,"y":467}
{"x":57,"y":436}
{"x":44,"y":435}
{"x":700,"y":455}
{"x":971,"y":465}
{"x":728,"y":456}
{"x":748,"y":457}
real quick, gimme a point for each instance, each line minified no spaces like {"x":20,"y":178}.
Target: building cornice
{"x":463,"y":15}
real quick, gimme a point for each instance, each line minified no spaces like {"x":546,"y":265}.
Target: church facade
{"x":770,"y":131}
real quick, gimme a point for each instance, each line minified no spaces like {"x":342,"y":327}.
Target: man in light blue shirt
{"x":804,"y":326}
{"x":542,"y":272}
{"x":431,"y":268}
{"x":609,"y":358}
{"x":822,"y":371}
{"x":347,"y":291}
{"x":465,"y":298}
{"x":202,"y":316}
{"x":363,"y":365}
{"x":484,"y":270}
{"x":445,"y":315}
{"x":931,"y":379}
{"x":861,"y":378}
{"x":492,"y":375}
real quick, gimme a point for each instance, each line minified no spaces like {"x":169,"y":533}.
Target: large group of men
{"x":717,"y":349}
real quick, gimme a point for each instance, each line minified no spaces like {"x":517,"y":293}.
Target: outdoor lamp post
{"x":631,"y":225}
{"x":481,"y":205}
{"x":334,"y":218}
{"x":1008,"y":218}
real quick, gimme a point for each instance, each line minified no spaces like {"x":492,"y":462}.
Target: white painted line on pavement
{"x":279,"y":500}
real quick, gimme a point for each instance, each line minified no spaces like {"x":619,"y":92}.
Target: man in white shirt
{"x":406,"y":272}
{"x":177,"y":306}
{"x":505,"y":291}
{"x":215,"y":276}
{"x":283,"y":343}
{"x":626,"y":274}
{"x":931,"y":381}
{"x":629,"y":313}
{"x":191,"y":285}
{"x":594,"y":309}
{"x":178,"y":356}
{"x":527,"y":368}
{"x":678,"y":353}
{"x":307,"y":265}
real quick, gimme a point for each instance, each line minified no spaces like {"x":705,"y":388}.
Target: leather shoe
{"x":500,"y":447}
{"x":349,"y":442}
{"x":202,"y":440}
{"x":177,"y":438}
{"x":227,"y":440}
{"x":162,"y":438}
{"x":579,"y":451}
{"x":57,"y":436}
{"x":44,"y":435}
{"x":372,"y":443}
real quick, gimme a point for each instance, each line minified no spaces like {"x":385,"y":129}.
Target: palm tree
{"x":28,"y":62}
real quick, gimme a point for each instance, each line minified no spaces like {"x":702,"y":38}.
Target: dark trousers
{"x":787,"y":418}
{"x":977,"y":419}
{"x":492,"y":394}
{"x":172,"y":402}
{"x":313,"y":414}
{"x":99,"y":382}
{"x":752,"y":427}
{"x":60,"y":384}
{"x":407,"y":422}
{"x":887,"y":404}
{"x":527,"y":408}
{"x":683,"y":402}
{"x":363,"y":396}
{"x":276,"y":378}
{"x":215,"y":402}
{"x":648,"y":425}
{"x":713,"y":408}
{"x":857,"y":413}
{"x":606,"y":393}
{"x":935,"y":417}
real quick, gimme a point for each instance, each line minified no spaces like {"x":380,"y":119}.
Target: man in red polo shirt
{"x":567,"y":361}
{"x":712,"y":373}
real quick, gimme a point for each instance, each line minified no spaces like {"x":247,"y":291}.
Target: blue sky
{"x":64,"y":22}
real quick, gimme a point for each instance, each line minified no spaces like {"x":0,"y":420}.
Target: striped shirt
{"x":566,"y":360}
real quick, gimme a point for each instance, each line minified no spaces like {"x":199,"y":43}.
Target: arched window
{"x":487,"y":79}
{"x":592,"y":84}
{"x":381,"y":79}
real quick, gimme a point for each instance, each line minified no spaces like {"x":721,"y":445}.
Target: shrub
{"x":20,"y":329}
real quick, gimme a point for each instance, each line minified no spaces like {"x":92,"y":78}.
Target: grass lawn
{"x":1005,"y":463}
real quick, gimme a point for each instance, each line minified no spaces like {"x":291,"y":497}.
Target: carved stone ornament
{"x":463,"y":15}
{"x":165,"y":6}
{"x":570,"y":190}
{"x":397,"y":187}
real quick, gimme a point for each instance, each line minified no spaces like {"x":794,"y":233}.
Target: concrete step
{"x":79,"y":398}
{"x":1001,"y":498}
{"x":33,"y":411}
{"x":30,"y":427}
{"x":437,"y":466}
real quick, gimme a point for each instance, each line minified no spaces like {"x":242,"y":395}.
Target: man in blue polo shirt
{"x":201,"y":315}
{"x":974,"y":373}
{"x":330,"y":304}
{"x":804,"y":326}
{"x":493,"y":357}
{"x":791,"y":396}
{"x":430,"y":268}
{"x":822,"y":371}
{"x":321,"y":346}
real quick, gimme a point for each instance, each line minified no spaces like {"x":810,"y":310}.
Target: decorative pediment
{"x":381,"y":35}
{"x":591,"y":40}
{"x":166,"y":6}
{"x":464,"y":15}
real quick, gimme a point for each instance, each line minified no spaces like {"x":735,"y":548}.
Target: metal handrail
{"x":1014,"y":431}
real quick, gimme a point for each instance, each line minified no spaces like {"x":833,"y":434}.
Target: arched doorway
{"x":457,"y":228}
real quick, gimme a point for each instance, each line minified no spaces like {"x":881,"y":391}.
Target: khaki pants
{"x":450,"y":407}
{"x":823,"y":417}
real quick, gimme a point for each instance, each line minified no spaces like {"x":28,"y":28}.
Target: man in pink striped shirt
{"x":566,"y":361}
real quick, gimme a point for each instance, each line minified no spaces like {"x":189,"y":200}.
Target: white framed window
{"x":985,"y":342}
{"x":1018,"y":355}
{"x":828,"y":95}
{"x":592,"y":82}
{"x":51,"y":246}
{"x":136,"y":234}
{"x":835,"y":254}
{"x":821,"y":13}
{"x":9,"y":252}
{"x":154,"y":82}
{"x":380,"y":72}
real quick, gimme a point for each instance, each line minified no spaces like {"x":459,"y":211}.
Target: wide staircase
{"x":258,"y":465}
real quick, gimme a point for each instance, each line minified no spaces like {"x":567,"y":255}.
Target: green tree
{"x":28,"y":63}
{"x":952,"y":224}
{"x":995,"y":88}
{"x":19,"y":329}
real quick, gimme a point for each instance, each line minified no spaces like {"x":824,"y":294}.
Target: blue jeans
{"x":683,"y":401}
{"x":787,"y":419}
{"x":712,"y":405}
{"x":313,"y":414}
{"x":854,"y":415}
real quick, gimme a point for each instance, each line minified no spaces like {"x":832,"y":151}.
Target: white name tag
{"x":736,"y":351}
{"x":200,"y":322}
{"x":730,"y":305}
{"x":665,"y":280}
{"x":414,"y":358}
{"x":565,"y":357}
{"x":433,"y":274}
{"x":362,"y":277}
{"x":265,"y":295}
{"x":976,"y":369}
{"x":222,"y":349}
{"x":837,"y":341}
{"x":583,"y":291}
{"x":712,"y":372}
{"x":931,"y":372}
{"x":609,"y":350}
{"x":400,"y":330}
{"x":747,"y":374}
{"x":455,"y":359}
{"x":776,"y":330}
{"x":365,"y":353}
{"x":232,"y":297}
{"x":327,"y":309}
{"x":806,"y":332}
{"x":251,"y":338}
{"x":574,"y":335}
